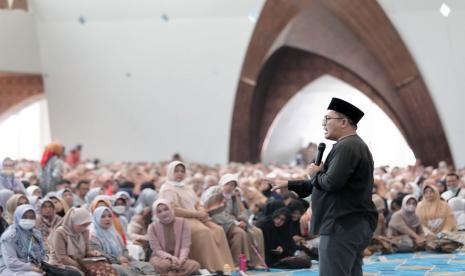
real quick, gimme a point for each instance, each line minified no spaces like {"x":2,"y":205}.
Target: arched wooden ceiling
{"x":297,"y":41}
{"x":18,"y":90}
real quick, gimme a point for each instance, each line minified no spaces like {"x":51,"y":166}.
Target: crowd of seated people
{"x":179,"y":218}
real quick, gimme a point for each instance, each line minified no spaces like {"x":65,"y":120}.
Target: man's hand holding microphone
{"x":312,"y":170}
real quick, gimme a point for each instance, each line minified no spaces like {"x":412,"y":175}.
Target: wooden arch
{"x":297,"y":41}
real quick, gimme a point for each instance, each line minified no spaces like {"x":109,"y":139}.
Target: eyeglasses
{"x":327,"y":118}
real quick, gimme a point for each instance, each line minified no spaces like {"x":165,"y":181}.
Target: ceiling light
{"x":253,"y":16}
{"x":445,"y":10}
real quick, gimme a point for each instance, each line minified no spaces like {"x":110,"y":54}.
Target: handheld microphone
{"x":321,"y":149}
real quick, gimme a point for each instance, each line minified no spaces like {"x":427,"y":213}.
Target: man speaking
{"x":343,"y":213}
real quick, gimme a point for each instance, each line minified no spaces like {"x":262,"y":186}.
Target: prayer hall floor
{"x":403,"y":264}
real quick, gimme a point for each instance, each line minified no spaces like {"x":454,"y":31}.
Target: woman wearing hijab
{"x":170,"y":240}
{"x":13,"y":202}
{"x":47,"y":219}
{"x":278,"y":240}
{"x":105,"y":239}
{"x":51,"y":166}
{"x":406,"y":222}
{"x":22,"y":248}
{"x":146,"y":198}
{"x":119,"y":208}
{"x":227,"y":210}
{"x":67,"y":195}
{"x":8,"y":180}
{"x":61,"y":207}
{"x":209,"y":244}
{"x":458,"y":207}
{"x":434,"y":213}
{"x":296,"y":208}
{"x":104,"y":200}
{"x":129,"y":211}
{"x":33,"y":190}
{"x":70,"y":241}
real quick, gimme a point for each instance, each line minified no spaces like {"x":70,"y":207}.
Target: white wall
{"x":19,"y":50}
{"x":25,"y":133}
{"x":437,"y":44}
{"x":299,"y":123}
{"x":129,"y":85}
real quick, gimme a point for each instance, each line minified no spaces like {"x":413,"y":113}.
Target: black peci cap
{"x":348,"y":109}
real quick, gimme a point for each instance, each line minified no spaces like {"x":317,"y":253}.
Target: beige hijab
{"x":179,"y":194}
{"x":436,"y":215}
{"x":76,"y":241}
{"x":11,"y":206}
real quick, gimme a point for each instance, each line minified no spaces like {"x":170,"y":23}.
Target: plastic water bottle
{"x":242,"y":263}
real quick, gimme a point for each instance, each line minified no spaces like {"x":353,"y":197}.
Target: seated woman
{"x":435,"y":215}
{"x":104,"y":200}
{"x":67,"y":195}
{"x":119,"y":209}
{"x":11,"y":205}
{"x":209,"y":244}
{"x":33,"y":190}
{"x":278,"y":240}
{"x":406,"y":222}
{"x":61,"y":207}
{"x":129,"y":211}
{"x":105,"y":239}
{"x":47,"y":220}
{"x":70,"y":241}
{"x":170,"y":239}
{"x":227,"y":210}
{"x":22,"y":248}
{"x":296,"y":208}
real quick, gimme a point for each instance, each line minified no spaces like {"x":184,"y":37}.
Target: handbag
{"x":53,"y":270}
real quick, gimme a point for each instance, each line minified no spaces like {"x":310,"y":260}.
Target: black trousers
{"x":341,"y":252}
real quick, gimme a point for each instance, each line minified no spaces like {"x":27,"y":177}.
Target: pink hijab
{"x":171,"y":211}
{"x":181,"y":231}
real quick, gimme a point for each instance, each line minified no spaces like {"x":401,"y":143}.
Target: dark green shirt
{"x":341,"y":192}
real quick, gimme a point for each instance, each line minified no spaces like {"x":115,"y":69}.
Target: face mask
{"x":410,"y":208}
{"x":119,"y":209}
{"x":27,"y":224}
{"x":227,"y":195}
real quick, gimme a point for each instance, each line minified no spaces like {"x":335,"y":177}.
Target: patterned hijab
{"x":29,"y":243}
{"x":109,"y":239}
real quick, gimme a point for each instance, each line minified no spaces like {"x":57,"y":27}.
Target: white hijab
{"x":170,"y":174}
